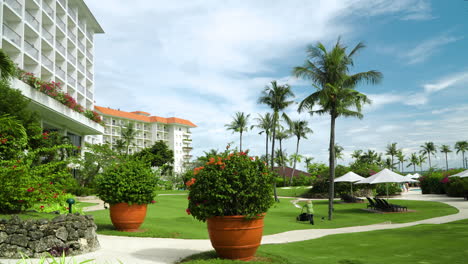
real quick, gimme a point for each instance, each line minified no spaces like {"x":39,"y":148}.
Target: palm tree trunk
{"x":414,"y":168}
{"x":463,"y":157}
{"x":266,"y":149}
{"x":446,"y":162}
{"x":240,"y":133}
{"x":391,"y":165}
{"x":331,"y":190}
{"x":273,"y":155}
{"x":429,"y":158}
{"x":295,"y":159}
{"x":282,"y":161}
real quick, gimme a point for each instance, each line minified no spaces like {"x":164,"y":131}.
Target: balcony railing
{"x":81,"y":67}
{"x":81,"y":24}
{"x":72,"y":35}
{"x":90,"y":56}
{"x":11,"y":35}
{"x":32,"y":20}
{"x":47,"y":35}
{"x":90,"y":35}
{"x":48,"y":9}
{"x":72,"y":13}
{"x":15,"y":5}
{"x":90,"y":75}
{"x":81,"y":46}
{"x":62,"y":2}
{"x":71,"y":58}
{"x":60,"y":47}
{"x":89,"y":95}
{"x":81,"y":88}
{"x":60,"y":72}
{"x":47,"y":62}
{"x":71,"y":80}
{"x":31,"y":50}
{"x":61,"y":24}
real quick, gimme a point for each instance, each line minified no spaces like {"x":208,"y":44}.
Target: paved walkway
{"x":132,"y":250}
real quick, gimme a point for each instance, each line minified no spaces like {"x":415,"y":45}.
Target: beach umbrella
{"x":461,"y":174}
{"x":350,"y":177}
{"x":416,"y":176}
{"x":385,"y":176}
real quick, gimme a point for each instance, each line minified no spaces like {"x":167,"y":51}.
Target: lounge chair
{"x":371,"y":204}
{"x":384,"y":206}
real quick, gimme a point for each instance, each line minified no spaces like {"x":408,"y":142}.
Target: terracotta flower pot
{"x":127,"y":217}
{"x":235,"y":237}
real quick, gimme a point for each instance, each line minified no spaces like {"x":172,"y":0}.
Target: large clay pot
{"x":127,"y":217}
{"x":235,"y":237}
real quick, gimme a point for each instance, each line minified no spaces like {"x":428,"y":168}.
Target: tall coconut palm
{"x":392,"y":151}
{"x":265,"y":124}
{"x":445,"y":149}
{"x":7,"y":66}
{"x":335,"y":91}
{"x":414,"y":161}
{"x":356,"y":155}
{"x":462,"y":146}
{"x":338,"y":152}
{"x":281,"y":135}
{"x":128,"y":134}
{"x":299,"y":129}
{"x":428,"y":148}
{"x":308,"y":161}
{"x":422,"y":159}
{"x":277,"y":97}
{"x":239,"y":124}
{"x":119,"y":146}
{"x":401,"y":159}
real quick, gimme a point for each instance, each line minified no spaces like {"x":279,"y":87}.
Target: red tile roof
{"x":149,"y":119}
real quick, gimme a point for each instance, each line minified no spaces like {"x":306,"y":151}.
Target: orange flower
{"x":191,"y":182}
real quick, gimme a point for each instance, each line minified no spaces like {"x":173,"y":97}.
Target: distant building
{"x":286,"y":171}
{"x":53,"y":39}
{"x":175,"y":132}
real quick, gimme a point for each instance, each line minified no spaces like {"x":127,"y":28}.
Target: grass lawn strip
{"x":168,"y":219}
{"x":434,"y":244}
{"x":39,"y":215}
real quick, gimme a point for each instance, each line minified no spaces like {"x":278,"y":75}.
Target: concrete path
{"x":133,"y":250}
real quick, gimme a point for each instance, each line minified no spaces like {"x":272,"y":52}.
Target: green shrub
{"x":456,"y":186}
{"x":131,"y":181}
{"x":230,"y":184}
{"x":393,"y":188}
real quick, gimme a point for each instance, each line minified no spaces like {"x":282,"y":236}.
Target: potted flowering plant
{"x":232,"y":192}
{"x":128,"y":186}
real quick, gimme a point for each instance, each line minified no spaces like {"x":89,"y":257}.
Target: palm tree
{"x":401,"y":159}
{"x":119,"y":146}
{"x":414,"y":161}
{"x":428,"y":148}
{"x":392,"y":151}
{"x":280,"y":136}
{"x":371,"y":157}
{"x":357,"y":154}
{"x":239,"y":124}
{"x":445,"y":149}
{"x":335,"y":94}
{"x":338,"y":152}
{"x":462,"y":146}
{"x":277,"y":97}
{"x":307,"y":161}
{"x":128,"y":135}
{"x":299,"y":129}
{"x":422,"y":159}
{"x":265,"y":124}
{"x":7,"y":66}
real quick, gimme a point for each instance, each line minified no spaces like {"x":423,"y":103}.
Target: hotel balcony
{"x":48,"y":9}
{"x":32,"y":21}
{"x":11,"y":35}
{"x":15,"y":5}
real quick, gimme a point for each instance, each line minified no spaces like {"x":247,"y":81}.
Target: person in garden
{"x":310,"y":211}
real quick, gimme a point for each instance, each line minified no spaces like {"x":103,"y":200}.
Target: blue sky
{"x":204,"y":60}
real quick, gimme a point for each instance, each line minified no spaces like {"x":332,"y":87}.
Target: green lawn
{"x":37,"y":215}
{"x":167,"y":218}
{"x":294,"y":191}
{"x":424,"y":244}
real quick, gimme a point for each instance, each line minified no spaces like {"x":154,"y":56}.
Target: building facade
{"x":175,"y":132}
{"x":54,"y":40}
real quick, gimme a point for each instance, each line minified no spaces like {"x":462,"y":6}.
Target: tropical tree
{"x":391,"y":151}
{"x":414,"y":161}
{"x":7,"y":67}
{"x":338,"y":152}
{"x":445,"y":149}
{"x":428,"y":148}
{"x":128,"y":134}
{"x":356,"y":155}
{"x":281,"y":135}
{"x":265,"y":124}
{"x":401,"y":159}
{"x":308,"y":161}
{"x":277,"y":97}
{"x":371,"y":157}
{"x":335,"y":95}
{"x":119,"y":146}
{"x":422,"y":160}
{"x":299,"y":129}
{"x":462,"y":146}
{"x":239,"y":124}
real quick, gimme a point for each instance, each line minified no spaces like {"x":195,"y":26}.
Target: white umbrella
{"x":416,"y":175}
{"x":385,"y":176}
{"x":409,"y":175}
{"x":350,"y":177}
{"x":461,"y":174}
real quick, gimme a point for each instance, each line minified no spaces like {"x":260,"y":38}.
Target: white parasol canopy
{"x":350,"y":177}
{"x":416,"y":175}
{"x":461,"y":174}
{"x":385,"y":176}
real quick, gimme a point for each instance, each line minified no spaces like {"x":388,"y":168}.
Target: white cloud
{"x":427,"y":48}
{"x":446,"y":82}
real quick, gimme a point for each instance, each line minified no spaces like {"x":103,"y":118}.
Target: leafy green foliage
{"x":456,"y":186}
{"x":230,"y":184}
{"x":130,"y":181}
{"x":158,"y":155}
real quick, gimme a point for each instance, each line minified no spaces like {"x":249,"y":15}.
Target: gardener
{"x":310,"y":211}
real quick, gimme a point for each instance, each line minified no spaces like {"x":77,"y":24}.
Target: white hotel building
{"x":54,"y":39}
{"x":175,"y":132}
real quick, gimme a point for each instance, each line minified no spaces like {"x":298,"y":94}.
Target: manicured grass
{"x":293,"y":191}
{"x":434,"y":244}
{"x":37,"y":215}
{"x":167,"y":218}
{"x":172,"y":192}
